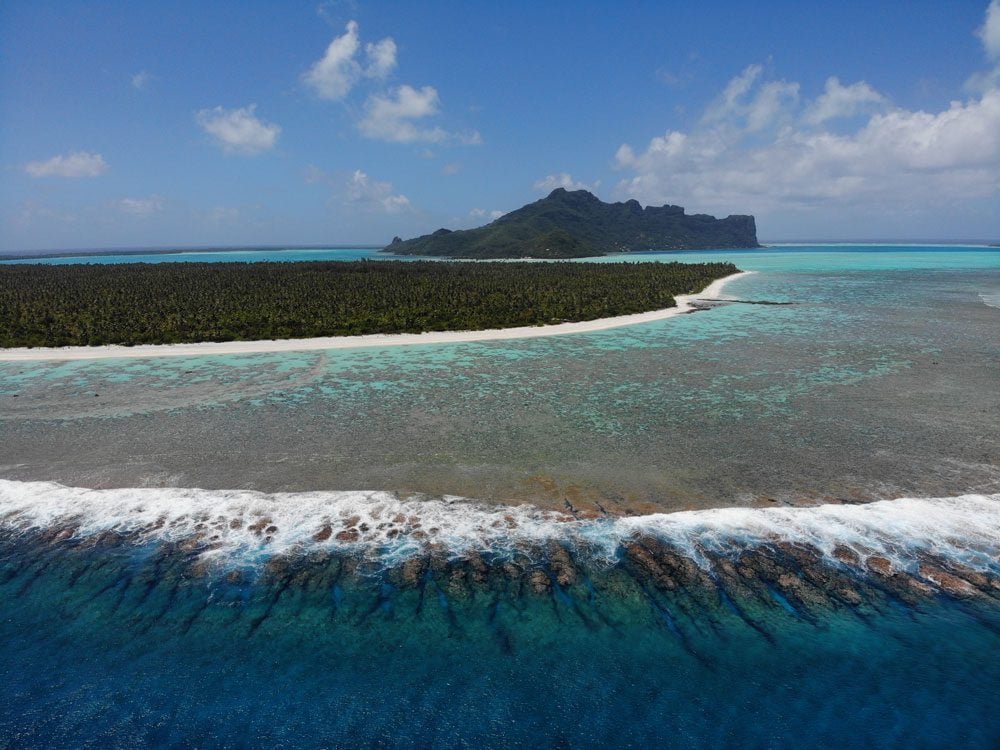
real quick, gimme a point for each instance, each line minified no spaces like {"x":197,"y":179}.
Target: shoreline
{"x":684,"y":304}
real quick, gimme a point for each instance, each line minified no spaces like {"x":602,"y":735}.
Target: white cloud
{"x":336,"y":73}
{"x":363,"y":190}
{"x":141,"y":80}
{"x":749,"y":154}
{"x":381,"y":58}
{"x":842,"y":101}
{"x":989,"y":32}
{"x":333,"y":75}
{"x":388,"y":116}
{"x":562,"y":180}
{"x":77,"y":164}
{"x":392,"y":118}
{"x":239,"y":130}
{"x":451,"y":168}
{"x":482,"y":213}
{"x":735,"y":107}
{"x":141,"y":207}
{"x":770,"y":103}
{"x":728,"y":101}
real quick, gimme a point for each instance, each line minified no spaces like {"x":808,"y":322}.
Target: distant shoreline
{"x":981,"y":244}
{"x":684,"y":304}
{"x":98,"y":252}
{"x":48,"y":255}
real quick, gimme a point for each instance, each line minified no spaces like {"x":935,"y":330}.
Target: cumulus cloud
{"x":140,"y":207}
{"x":989,"y":32}
{"x":339,"y":70}
{"x":381,"y":58}
{"x":562,"y":180}
{"x":397,"y":115}
{"x":842,"y":101}
{"x":238,"y":130}
{"x":759,"y":149}
{"x":754,"y":106}
{"x":76,"y":164}
{"x":394,"y":117}
{"x":364,"y":191}
{"x":729,"y":100}
{"x":479,"y":214}
{"x":770,"y":103}
{"x":391,"y":117}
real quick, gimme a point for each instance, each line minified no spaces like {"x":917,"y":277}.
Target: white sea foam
{"x":242,"y":521}
{"x":250,"y":524}
{"x":964,"y":528}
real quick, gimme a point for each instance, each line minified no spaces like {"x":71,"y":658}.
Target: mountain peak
{"x":576,"y":223}
{"x":561,"y":193}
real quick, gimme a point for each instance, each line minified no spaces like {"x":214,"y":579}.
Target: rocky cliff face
{"x":572,"y":224}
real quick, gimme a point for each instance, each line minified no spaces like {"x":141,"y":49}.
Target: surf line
{"x":247,"y":524}
{"x":685,"y":303}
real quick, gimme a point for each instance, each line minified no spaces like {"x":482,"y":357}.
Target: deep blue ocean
{"x":366,"y":615}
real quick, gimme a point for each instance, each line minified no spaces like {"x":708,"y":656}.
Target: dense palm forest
{"x":137,"y":303}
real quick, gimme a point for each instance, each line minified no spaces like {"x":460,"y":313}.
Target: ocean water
{"x":877,"y":380}
{"x":758,"y":525}
{"x":230,"y":619}
{"x":290,"y":255}
{"x":835,"y":256}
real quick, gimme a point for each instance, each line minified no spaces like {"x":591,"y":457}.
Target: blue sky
{"x":129,"y":124}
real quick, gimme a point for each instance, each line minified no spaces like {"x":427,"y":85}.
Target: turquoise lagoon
{"x":756,"y":525}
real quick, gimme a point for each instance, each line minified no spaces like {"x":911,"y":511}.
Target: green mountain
{"x":577,"y":224}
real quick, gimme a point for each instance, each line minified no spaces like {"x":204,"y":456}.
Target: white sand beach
{"x":69,"y":353}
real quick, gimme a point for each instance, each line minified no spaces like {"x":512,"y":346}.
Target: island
{"x":578,"y":224}
{"x":172,"y":303}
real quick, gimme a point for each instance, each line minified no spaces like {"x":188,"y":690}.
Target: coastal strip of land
{"x":685,"y":303}
{"x":138,"y":304}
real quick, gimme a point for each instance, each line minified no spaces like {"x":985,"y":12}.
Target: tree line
{"x":138,"y":303}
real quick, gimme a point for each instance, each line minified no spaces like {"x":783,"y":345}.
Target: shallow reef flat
{"x":878,"y":381}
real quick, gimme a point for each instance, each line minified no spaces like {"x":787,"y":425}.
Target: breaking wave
{"x":253,"y":526}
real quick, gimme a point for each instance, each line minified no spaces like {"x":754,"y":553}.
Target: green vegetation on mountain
{"x":138,"y":303}
{"x":577,"y":224}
